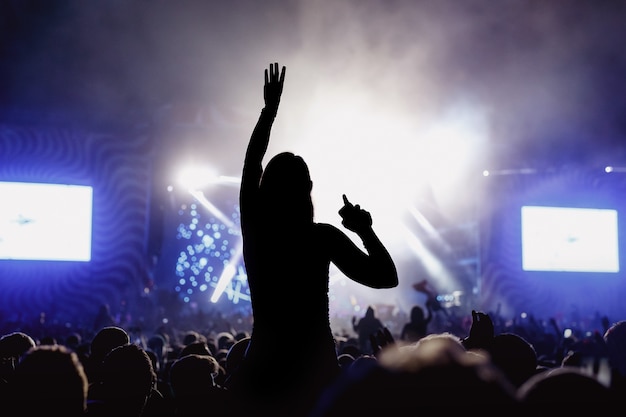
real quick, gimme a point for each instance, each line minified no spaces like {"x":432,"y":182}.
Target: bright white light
{"x":225,"y":279}
{"x":195,"y":177}
{"x":381,"y":157}
{"x":225,"y":179}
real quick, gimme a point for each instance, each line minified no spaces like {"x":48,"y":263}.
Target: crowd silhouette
{"x":291,"y":362}
{"x":491,"y":369}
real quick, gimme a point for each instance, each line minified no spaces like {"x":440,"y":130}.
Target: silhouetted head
{"x":615,"y":339}
{"x":565,"y":389}
{"x":50,"y":379}
{"x":235,"y":354}
{"x":128,"y":378}
{"x":192,"y":375}
{"x":515,"y":356}
{"x":417,"y":314}
{"x":225,"y":340}
{"x":13,"y":345}
{"x":370,"y":312}
{"x":198,"y":347}
{"x":286,"y":189}
{"x":437,"y":340}
{"x":157,"y":344}
{"x":191,"y":336}
{"x":73,"y":340}
{"x":106,"y":340}
{"x":435,"y":377}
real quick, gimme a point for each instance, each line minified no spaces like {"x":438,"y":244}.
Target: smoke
{"x":383,"y":98}
{"x":549,"y":74}
{"x":541,"y":81}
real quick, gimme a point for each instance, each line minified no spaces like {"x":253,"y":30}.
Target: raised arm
{"x":252,"y":169}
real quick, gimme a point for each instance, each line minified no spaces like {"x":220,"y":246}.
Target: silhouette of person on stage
{"x":367,"y":326}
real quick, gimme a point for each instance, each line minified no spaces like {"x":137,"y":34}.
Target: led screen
{"x":45,"y":221}
{"x":569,"y":239}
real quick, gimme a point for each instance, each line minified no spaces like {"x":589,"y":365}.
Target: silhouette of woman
{"x":292,"y":354}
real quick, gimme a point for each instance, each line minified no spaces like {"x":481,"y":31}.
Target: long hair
{"x":285,"y":190}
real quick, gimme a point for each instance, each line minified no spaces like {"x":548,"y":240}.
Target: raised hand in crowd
{"x":481,"y":332}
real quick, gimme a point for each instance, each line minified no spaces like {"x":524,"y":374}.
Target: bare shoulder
{"x":326,"y":228}
{"x":330,"y":233}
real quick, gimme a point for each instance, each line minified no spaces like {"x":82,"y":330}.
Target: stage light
{"x":195,"y":177}
{"x":228,"y":180}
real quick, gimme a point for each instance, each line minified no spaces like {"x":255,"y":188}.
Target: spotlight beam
{"x":199,"y":195}
{"x":429,"y":228}
{"x":431,"y":263}
{"x":227,"y":274}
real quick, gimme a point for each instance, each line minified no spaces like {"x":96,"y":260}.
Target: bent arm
{"x":373,"y":267}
